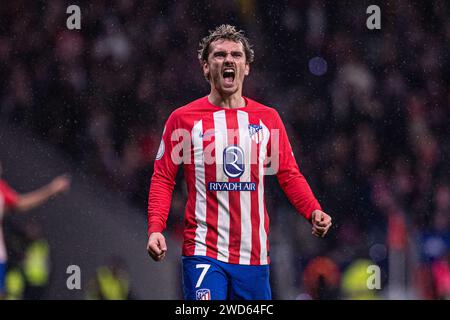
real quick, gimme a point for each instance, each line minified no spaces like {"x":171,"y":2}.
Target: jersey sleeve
{"x":163,"y":178}
{"x":291,"y":180}
{"x":10,"y":196}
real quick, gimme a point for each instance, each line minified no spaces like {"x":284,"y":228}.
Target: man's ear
{"x":247,"y":69}
{"x":205,"y":69}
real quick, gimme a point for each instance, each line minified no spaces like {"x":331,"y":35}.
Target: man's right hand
{"x":60,"y":184}
{"x":156,"y":246}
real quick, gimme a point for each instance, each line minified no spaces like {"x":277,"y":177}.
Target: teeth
{"x":228,"y":72}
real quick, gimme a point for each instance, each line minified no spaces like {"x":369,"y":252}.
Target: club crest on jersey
{"x":256,"y":132}
{"x":203,"y":294}
{"x":233,"y":161}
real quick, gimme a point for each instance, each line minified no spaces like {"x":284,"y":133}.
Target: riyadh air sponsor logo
{"x":231,"y":186}
{"x":233,"y":161}
{"x":203,"y":294}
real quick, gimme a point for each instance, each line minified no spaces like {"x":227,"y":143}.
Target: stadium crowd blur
{"x":367,"y":112}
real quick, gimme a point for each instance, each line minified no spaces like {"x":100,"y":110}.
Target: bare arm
{"x":37,"y":197}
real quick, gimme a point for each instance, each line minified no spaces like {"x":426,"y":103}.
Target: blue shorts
{"x":205,"y":278}
{"x":2,"y":277}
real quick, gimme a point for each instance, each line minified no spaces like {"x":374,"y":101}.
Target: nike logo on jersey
{"x":207,"y":134}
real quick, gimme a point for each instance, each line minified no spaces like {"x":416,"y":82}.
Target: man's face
{"x":226,"y":66}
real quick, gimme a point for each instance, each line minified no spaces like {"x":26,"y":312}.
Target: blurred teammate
{"x":9,"y":199}
{"x":224,"y":141}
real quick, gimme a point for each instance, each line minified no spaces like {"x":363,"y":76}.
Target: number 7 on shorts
{"x":205,"y":268}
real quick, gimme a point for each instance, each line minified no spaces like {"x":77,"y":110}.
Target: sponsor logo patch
{"x":232,"y":186}
{"x":233,"y":161}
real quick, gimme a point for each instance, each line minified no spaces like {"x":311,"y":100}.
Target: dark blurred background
{"x":367,"y":112}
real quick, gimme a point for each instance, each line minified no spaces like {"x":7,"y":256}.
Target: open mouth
{"x":228,"y":75}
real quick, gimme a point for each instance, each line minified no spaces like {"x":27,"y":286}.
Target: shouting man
{"x":225,"y":142}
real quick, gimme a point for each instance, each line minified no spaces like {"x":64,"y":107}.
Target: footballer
{"x":225,"y":142}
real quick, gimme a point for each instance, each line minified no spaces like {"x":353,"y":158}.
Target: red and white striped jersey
{"x":225,"y":154}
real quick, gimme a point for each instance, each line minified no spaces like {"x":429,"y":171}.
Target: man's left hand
{"x":321,"y":222}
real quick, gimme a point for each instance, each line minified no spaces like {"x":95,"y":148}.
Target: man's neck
{"x":227,"y":101}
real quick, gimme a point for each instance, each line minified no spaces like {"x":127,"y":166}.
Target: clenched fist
{"x":156,"y":246}
{"x":321,"y":222}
